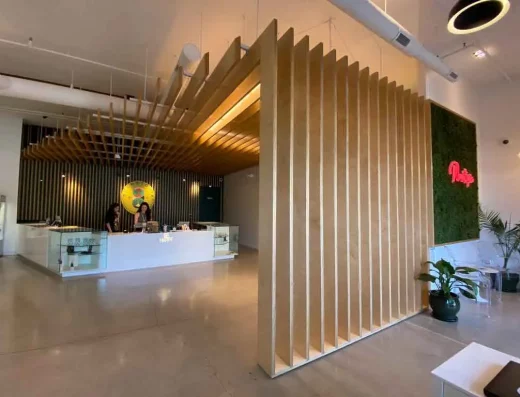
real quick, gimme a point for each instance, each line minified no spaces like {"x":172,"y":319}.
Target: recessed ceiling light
{"x":63,"y":176}
{"x":183,"y":179}
{"x":470,"y":16}
{"x":479,"y":54}
{"x":128,"y":176}
{"x":518,"y":155}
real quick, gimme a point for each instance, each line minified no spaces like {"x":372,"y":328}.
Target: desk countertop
{"x":471,"y":369}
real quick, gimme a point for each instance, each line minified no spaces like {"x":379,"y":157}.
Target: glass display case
{"x":76,"y":249}
{"x":225,"y":237}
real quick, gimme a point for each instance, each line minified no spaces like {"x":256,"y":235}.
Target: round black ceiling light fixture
{"x":469,"y":16}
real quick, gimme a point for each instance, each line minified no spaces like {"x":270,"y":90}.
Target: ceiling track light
{"x":470,"y":16}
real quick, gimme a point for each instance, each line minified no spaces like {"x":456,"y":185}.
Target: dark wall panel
{"x":455,"y":204}
{"x":84,"y":194}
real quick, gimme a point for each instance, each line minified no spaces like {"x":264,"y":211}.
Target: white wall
{"x":241,"y":204}
{"x":10,"y":140}
{"x":499,"y":164}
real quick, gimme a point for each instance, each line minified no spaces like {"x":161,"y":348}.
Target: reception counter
{"x":74,"y":251}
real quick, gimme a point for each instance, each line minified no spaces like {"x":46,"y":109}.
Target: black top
{"x":113,"y":220}
{"x":506,"y":383}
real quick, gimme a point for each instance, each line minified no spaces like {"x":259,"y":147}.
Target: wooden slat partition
{"x":300,"y":199}
{"x":315,"y":202}
{"x":345,"y":202}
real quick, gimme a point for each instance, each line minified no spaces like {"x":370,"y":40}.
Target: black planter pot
{"x":444,"y":309}
{"x":510,"y":282}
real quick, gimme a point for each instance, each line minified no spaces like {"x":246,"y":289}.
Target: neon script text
{"x":460,"y":176}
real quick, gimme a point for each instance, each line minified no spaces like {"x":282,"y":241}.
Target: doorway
{"x":210,"y":204}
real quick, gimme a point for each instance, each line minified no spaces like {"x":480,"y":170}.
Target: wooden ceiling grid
{"x":210,"y":124}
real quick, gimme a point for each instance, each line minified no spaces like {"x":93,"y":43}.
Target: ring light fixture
{"x":470,"y":16}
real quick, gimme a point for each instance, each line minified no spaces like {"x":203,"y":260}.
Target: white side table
{"x":470,"y":370}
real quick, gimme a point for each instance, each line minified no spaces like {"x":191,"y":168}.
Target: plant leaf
{"x":426,"y":277}
{"x":468,"y":294}
{"x":466,"y":281}
{"x":466,"y":270}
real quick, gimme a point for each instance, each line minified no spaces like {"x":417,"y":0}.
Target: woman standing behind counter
{"x":143,"y":215}
{"x":112,"y":218}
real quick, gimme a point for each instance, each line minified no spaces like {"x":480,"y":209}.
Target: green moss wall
{"x":455,"y":206}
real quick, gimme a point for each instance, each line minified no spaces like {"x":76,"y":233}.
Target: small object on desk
{"x":506,"y":383}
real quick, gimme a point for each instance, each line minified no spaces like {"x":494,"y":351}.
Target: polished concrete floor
{"x":191,"y":331}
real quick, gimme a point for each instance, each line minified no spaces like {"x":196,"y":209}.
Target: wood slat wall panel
{"x":365,"y":257}
{"x":86,"y":192}
{"x":301,"y":198}
{"x":329,"y":143}
{"x":401,"y":203}
{"x":284,"y":295}
{"x":375,"y":203}
{"x":353,"y":216}
{"x":393,"y":198}
{"x":267,"y":202}
{"x":345,"y":203}
{"x":315,"y":200}
{"x":342,"y":207}
{"x":384,"y":180}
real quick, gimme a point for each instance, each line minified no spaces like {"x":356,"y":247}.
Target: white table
{"x":470,"y":370}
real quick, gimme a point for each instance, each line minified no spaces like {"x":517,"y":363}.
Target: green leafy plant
{"x":507,"y":234}
{"x":447,"y":278}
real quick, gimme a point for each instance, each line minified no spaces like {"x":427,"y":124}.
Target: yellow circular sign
{"x":135,"y":193}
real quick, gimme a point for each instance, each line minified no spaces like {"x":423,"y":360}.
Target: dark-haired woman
{"x":112,"y":218}
{"x":143,"y":215}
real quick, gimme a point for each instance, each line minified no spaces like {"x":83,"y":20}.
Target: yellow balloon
{"x":135,"y":193}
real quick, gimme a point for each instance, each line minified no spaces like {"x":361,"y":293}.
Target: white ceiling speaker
{"x":189,"y":57}
{"x":470,"y":16}
{"x":375,"y":19}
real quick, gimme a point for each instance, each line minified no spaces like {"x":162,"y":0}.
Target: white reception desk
{"x":74,"y":252}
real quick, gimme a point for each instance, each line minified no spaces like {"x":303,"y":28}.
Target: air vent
{"x":454,"y":75}
{"x":402,"y":39}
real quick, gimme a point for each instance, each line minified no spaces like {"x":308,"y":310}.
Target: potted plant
{"x":508,"y":237}
{"x":443,"y":300}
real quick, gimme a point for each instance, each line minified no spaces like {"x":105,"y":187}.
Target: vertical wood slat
{"x":408,"y":202}
{"x":315,"y":201}
{"x":354,"y":286}
{"x":417,"y":222}
{"x":423,"y":206}
{"x":329,"y":219}
{"x":401,"y":205}
{"x":342,"y":202}
{"x":267,"y":202}
{"x":284,"y":295}
{"x":364,"y":182}
{"x":385,"y":180}
{"x":375,"y":203}
{"x":300,"y":197}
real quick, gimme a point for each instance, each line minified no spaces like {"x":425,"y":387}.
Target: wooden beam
{"x":149,"y":119}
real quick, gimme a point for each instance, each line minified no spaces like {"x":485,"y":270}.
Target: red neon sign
{"x":460,"y":176}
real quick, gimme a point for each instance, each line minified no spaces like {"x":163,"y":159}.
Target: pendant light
{"x":469,"y":16}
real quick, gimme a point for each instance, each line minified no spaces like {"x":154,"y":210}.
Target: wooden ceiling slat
{"x":226,"y":64}
{"x":241,"y":91}
{"x":136,"y":126}
{"x":84,"y":139}
{"x":186,"y":98}
{"x":149,"y":119}
{"x":100,"y":128}
{"x":171,"y":95}
{"x":248,"y":117}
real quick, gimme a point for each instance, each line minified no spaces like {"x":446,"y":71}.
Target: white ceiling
{"x":121,"y":32}
{"x":500,"y":41}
